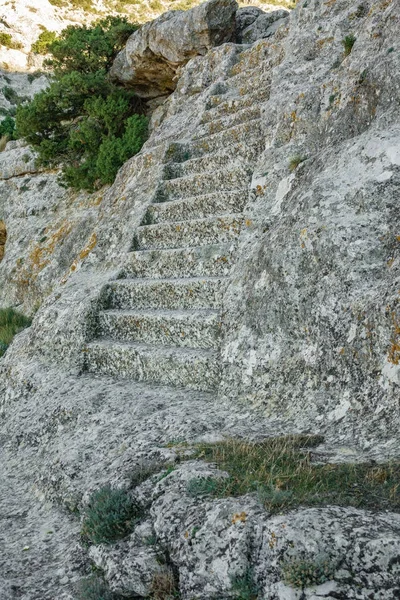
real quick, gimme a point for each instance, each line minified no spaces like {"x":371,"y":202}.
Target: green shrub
{"x":82,"y":121}
{"x":7,"y":128}
{"x":202,"y":486}
{"x":348,"y":43}
{"x":93,"y":588}
{"x":11,"y":323}
{"x":42,"y":44}
{"x":11,"y":95}
{"x":303,"y":572}
{"x":245,"y":586}
{"x":6,"y":40}
{"x":111,"y":515}
{"x":89,"y":49}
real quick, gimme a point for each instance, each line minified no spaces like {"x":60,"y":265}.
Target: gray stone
{"x":264,"y":26}
{"x":153,"y":54}
{"x":299,"y":145}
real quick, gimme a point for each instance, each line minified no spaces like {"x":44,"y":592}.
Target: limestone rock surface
{"x":154,"y":53}
{"x":257,"y":229}
{"x":253,"y":24}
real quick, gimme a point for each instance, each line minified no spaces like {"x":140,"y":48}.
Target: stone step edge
{"x":184,"y":352}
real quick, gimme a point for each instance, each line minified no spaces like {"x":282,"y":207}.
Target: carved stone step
{"x":199,"y":207}
{"x":189,"y":293}
{"x":197,"y":232}
{"x":183,"y":328}
{"x":204,"y":183}
{"x":204,"y":261}
{"x":221,"y":122}
{"x":182,"y":367}
{"x":237,"y":156}
{"x":247,"y":134}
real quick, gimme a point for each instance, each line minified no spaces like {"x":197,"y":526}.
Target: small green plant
{"x":348,"y":43}
{"x":245,"y":587}
{"x":42,"y":44}
{"x":304,"y":572}
{"x":7,"y":41}
{"x":295,"y":161}
{"x":93,"y":588}
{"x":111,"y":515}
{"x":168,"y":470}
{"x":11,"y":323}
{"x":202,"y":486}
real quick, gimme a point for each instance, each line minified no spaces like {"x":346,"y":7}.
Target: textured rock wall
{"x":312,"y":327}
{"x":310,"y":333}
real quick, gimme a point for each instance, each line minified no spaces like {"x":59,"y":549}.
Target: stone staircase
{"x":163,"y":321}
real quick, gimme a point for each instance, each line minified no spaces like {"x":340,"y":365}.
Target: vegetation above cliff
{"x":83,"y":122}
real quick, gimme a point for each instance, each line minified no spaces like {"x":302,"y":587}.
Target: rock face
{"x":214,"y":543}
{"x":153,"y":54}
{"x":239,"y":279}
{"x":253,"y":24}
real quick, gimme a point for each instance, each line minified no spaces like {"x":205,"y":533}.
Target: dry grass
{"x":163,"y":586}
{"x":280,"y":471}
{"x":3,"y":142}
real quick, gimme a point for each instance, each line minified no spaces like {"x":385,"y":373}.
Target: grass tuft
{"x":164,"y":585}
{"x":348,"y":43}
{"x":303,"y":572}
{"x":245,"y":587}
{"x":11,"y":323}
{"x":110,"y":516}
{"x":93,"y":588}
{"x":295,"y":161}
{"x":280,"y":471}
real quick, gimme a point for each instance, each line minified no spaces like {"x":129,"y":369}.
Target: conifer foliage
{"x":83,"y":121}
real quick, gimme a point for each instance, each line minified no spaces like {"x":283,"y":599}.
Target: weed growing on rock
{"x":348,"y":43}
{"x":11,"y":323}
{"x":245,"y":587}
{"x":111,"y":515}
{"x":202,"y":486}
{"x":93,"y":588}
{"x":7,"y":41}
{"x":295,"y":161}
{"x":281,"y":472}
{"x":302,"y":572}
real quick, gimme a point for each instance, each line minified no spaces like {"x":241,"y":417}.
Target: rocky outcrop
{"x":253,"y":24}
{"x":239,"y":279}
{"x":335,"y":552}
{"x":154,"y":53}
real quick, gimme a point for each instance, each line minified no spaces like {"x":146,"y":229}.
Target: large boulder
{"x":253,"y":24}
{"x":154,"y":53}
